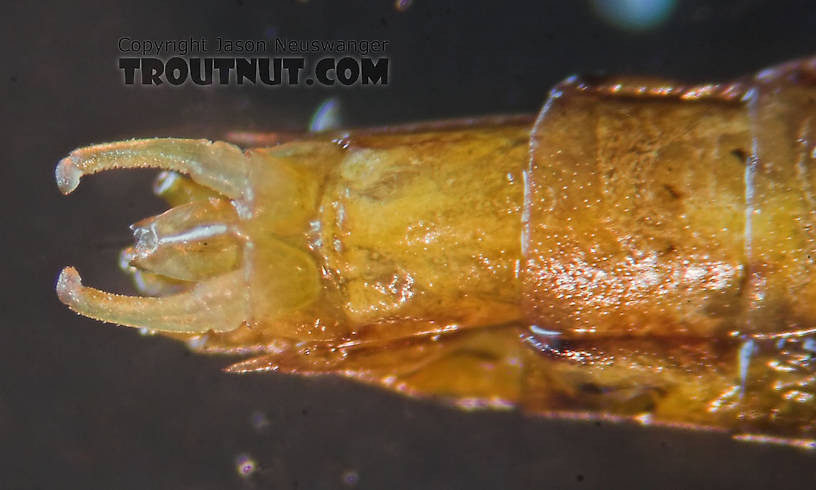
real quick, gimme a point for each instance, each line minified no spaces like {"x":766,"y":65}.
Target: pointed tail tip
{"x":68,"y":284}
{"x":67,"y":174}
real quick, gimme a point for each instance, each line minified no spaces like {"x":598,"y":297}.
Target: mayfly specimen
{"x":641,"y":250}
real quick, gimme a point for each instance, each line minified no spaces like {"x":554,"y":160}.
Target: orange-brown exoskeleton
{"x":641,"y":250}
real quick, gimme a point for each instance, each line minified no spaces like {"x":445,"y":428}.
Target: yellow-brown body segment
{"x":641,"y":250}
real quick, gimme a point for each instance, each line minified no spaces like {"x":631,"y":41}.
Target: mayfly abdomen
{"x":671,"y":212}
{"x":425,"y":227}
{"x":641,"y":251}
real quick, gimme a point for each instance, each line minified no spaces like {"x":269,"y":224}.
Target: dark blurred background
{"x":83,"y":405}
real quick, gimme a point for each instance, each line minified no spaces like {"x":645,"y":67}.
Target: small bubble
{"x":245,"y":466}
{"x":403,"y":5}
{"x":327,"y":116}
{"x":635,"y":15}
{"x":350,"y":478}
{"x":198,"y":341}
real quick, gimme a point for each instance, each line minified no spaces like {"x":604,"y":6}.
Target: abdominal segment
{"x":672,"y":215}
{"x":425,"y":227}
